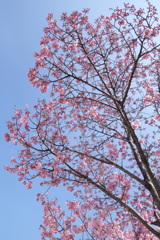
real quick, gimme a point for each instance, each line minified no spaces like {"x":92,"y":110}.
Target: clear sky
{"x":22,"y":25}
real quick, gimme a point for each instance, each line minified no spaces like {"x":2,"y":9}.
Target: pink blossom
{"x":70,"y":189}
{"x":74,"y":46}
{"x":157,"y":153}
{"x":29,"y":185}
{"x":111,"y":186}
{"x":7,"y":137}
{"x":13,"y":161}
{"x":56,"y":45}
{"x":148,"y":32}
{"x":148,"y":100}
{"x":39,"y":166}
{"x":67,"y":235}
{"x":135,"y":125}
{"x":72,"y":204}
{"x":142,"y":141}
{"x":44,"y":52}
{"x":122,"y":22}
{"x":44,"y":40}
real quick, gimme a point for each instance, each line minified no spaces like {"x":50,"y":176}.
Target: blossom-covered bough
{"x":97,"y":133}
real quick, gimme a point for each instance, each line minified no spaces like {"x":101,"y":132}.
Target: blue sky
{"x":22,"y":25}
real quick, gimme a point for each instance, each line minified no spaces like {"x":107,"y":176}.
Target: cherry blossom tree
{"x":97,"y":132}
